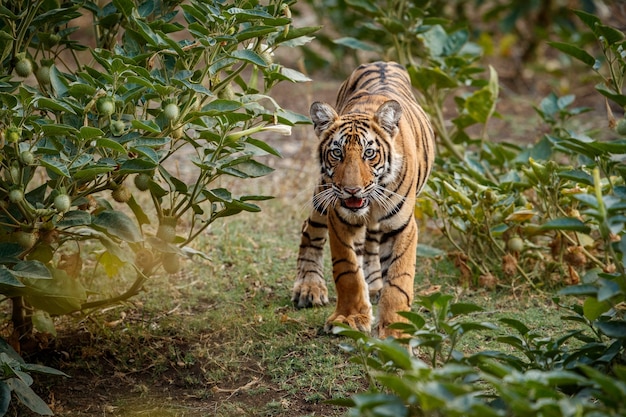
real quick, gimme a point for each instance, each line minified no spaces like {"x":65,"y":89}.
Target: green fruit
{"x":25,"y":239}
{"x":43,"y":75}
{"x":24,"y":67}
{"x":144,"y":259}
{"x":27,"y":157}
{"x":171,"y":111}
{"x":515,"y":244}
{"x":142,"y":181}
{"x":62,"y":202}
{"x":118,"y":127}
{"x":167,"y":229}
{"x":171,"y":263}
{"x":16,"y":196}
{"x":13,"y":134}
{"x":105,"y":106}
{"x":121,"y":194}
{"x":621,"y":127}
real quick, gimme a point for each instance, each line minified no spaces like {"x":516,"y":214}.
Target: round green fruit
{"x":515,"y":244}
{"x":121,"y":194}
{"x":118,"y":127}
{"x":13,"y":134}
{"x":62,"y":202}
{"x":27,"y":157}
{"x":167,"y":229}
{"x":105,"y":106}
{"x":142,"y":182}
{"x":171,"y":111}
{"x":24,"y":67}
{"x":621,"y":127}
{"x":25,"y":239}
{"x":43,"y":75}
{"x":16,"y":196}
{"x":171,"y":263}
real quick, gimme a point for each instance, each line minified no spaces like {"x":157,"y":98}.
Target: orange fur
{"x":376,"y":151}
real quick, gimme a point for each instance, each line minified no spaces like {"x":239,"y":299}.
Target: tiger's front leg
{"x":346,"y":246}
{"x":309,"y":289}
{"x":398,"y":256}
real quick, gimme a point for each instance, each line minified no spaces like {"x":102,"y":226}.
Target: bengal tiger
{"x":376,"y":151}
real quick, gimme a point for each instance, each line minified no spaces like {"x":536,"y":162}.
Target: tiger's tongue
{"x":354,"y":202}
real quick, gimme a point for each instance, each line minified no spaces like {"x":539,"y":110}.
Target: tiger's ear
{"x":388,"y":116}
{"x":322,"y":115}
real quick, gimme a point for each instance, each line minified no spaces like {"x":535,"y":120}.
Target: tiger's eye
{"x":336,"y":153}
{"x":369,"y":153}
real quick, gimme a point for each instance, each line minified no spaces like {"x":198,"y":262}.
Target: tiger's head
{"x":356,"y":155}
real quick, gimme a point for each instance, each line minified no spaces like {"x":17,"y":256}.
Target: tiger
{"x":376,"y":151}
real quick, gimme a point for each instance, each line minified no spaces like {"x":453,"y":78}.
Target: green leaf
{"x":464,"y":308}
{"x":515,"y":324}
{"x":118,"y":224}
{"x":75,"y":218}
{"x":593,"y":308}
{"x":109,"y":144}
{"x":221,"y":106}
{"x":31,"y":270}
{"x":147,"y":125}
{"x":44,"y":103}
{"x":60,"y":295}
{"x":5,"y":397}
{"x":577,"y":175}
{"x":55,"y":166}
{"x":588,"y":19}
{"x":606,"y":91}
{"x":391,"y":350}
{"x":380,"y":405}
{"x":140,"y":215}
{"x":575,"y":52}
{"x":356,"y":44}
{"x":9,"y":252}
{"x":611,"y":35}
{"x":92,"y":172}
{"x":89,"y":132}
{"x":124,"y":6}
{"x":583,"y":289}
{"x":430,"y":252}
{"x":28,"y":397}
{"x":570,"y":224}
{"x":249,"y":56}
{"x":614,"y":328}
{"x":7,"y":278}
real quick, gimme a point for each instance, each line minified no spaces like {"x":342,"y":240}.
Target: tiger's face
{"x":356,"y":156}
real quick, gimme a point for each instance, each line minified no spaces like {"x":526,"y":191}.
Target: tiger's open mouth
{"x":354,"y":203}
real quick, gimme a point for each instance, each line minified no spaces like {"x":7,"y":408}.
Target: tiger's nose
{"x":352,"y":190}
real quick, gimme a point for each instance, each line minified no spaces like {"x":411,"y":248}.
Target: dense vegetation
{"x":168,"y":78}
{"x":80,"y":122}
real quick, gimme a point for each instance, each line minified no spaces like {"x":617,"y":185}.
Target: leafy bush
{"x":548,"y":376}
{"x":91,"y":136}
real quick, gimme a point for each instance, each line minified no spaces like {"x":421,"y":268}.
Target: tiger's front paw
{"x":309,"y":292}
{"x":360,"y":322}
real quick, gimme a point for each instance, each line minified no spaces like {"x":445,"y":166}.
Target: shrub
{"x":82,"y":122}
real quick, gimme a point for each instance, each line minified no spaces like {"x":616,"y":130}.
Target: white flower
{"x":284,"y":130}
